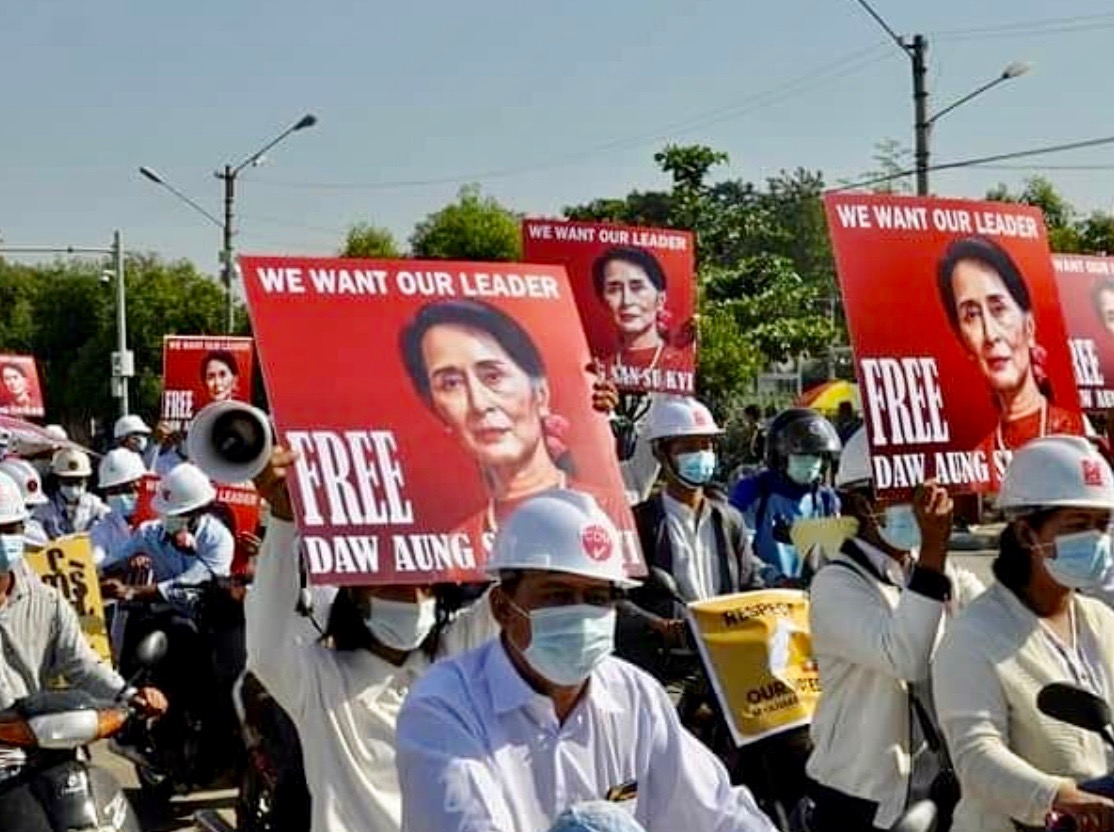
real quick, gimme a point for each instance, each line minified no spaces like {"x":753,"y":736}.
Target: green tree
{"x":474,"y":227}
{"x":370,"y":241}
{"x":1059,"y":216}
{"x":64,"y":314}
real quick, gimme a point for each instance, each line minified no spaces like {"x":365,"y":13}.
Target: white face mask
{"x":401,"y":625}
{"x":71,"y":492}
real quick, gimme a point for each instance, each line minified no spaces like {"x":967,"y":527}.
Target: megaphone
{"x":231,"y":441}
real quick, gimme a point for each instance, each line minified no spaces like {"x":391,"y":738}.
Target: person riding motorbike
{"x":1030,"y":628}
{"x":118,"y":475}
{"x":42,"y":642}
{"x":71,"y":509}
{"x":876,"y":613}
{"x":25,"y":476}
{"x":344,"y":690}
{"x":800,"y":447}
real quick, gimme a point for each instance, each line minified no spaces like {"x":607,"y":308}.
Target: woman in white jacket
{"x":875,"y":615}
{"x":344,"y":697}
{"x":1032,"y":628}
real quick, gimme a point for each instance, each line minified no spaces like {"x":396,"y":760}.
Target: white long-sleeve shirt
{"x":109,"y":537}
{"x":1010,"y":758}
{"x":479,"y":750}
{"x":871,"y":641}
{"x":345,"y":704}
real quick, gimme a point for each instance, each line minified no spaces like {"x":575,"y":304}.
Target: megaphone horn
{"x":231,"y":441}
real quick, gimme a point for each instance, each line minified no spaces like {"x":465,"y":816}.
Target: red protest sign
{"x":200,"y":369}
{"x":427,"y":400}
{"x":1087,"y":295}
{"x":20,"y":391}
{"x":959,"y":341}
{"x":237,"y":506}
{"x":636,"y":292}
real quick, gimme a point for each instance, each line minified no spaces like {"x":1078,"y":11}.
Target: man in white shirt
{"x":508,"y":736}
{"x":119,"y":475}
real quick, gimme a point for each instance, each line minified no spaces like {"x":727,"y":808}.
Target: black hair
{"x":634,"y":256}
{"x":13,"y":366}
{"x":506,"y":331}
{"x":1013,"y":567}
{"x":752,"y":411}
{"x":224,"y":357}
{"x":988,"y":253}
{"x":1104,"y":285}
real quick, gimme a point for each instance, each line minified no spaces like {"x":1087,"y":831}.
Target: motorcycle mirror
{"x":1077,"y":707}
{"x":920,"y":817}
{"x":667,"y":582}
{"x":151,"y":649}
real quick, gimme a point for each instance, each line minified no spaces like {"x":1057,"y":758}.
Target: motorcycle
{"x":53,"y":728}
{"x":198,"y":744}
{"x":1081,"y":708}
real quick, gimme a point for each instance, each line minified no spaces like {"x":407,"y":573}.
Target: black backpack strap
{"x":764,"y":490}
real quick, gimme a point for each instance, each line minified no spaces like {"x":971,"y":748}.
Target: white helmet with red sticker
{"x":1056,"y":472}
{"x":560,"y":531}
{"x":24,"y":475}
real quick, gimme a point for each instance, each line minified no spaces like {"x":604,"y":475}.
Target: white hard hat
{"x":12,"y":509}
{"x":57,"y":431}
{"x":127,"y":425}
{"x":24,"y":475}
{"x":854,"y":461}
{"x":182,"y":490}
{"x":560,"y":531}
{"x":70,"y":462}
{"x":671,"y":416}
{"x":1056,"y":472}
{"x":120,"y":466}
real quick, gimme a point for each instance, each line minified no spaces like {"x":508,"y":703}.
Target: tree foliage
{"x":474,"y":227}
{"x":64,"y":313}
{"x":370,"y":241}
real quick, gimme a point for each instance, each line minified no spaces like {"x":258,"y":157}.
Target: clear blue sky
{"x":578,"y":95}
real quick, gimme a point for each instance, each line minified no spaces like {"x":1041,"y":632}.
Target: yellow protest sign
{"x":824,"y":534}
{"x":67,"y":565}
{"x":757,"y":649}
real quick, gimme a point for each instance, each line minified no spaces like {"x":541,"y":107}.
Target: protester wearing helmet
{"x":484,"y":737}
{"x":800,"y":446}
{"x":24,"y":475}
{"x":131,"y":432}
{"x":186,"y":546}
{"x":119,"y":475}
{"x":687,"y":530}
{"x":875,"y":616}
{"x":71,"y":509}
{"x":42,"y":642}
{"x":1030,"y":628}
{"x":343,"y":689}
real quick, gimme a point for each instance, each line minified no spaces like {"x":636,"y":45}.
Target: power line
{"x":827,"y":73}
{"x":1048,"y":167}
{"x":980,"y":160}
{"x":1052,"y":25}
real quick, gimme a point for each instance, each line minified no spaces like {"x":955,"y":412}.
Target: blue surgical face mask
{"x":1082,"y":559}
{"x":568,"y":643}
{"x":804,"y":469}
{"x":695,"y":467}
{"x":900,"y":530}
{"x":139,"y":444}
{"x":173,"y":525}
{"x":401,"y":625}
{"x":123,"y":504}
{"x":11,"y":551}
{"x":71,"y":492}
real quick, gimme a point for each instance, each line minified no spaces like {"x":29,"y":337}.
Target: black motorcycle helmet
{"x":799,"y":430}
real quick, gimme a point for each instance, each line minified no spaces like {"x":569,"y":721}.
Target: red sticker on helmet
{"x":700,"y":416}
{"x":32,"y":486}
{"x":596,"y":542}
{"x":1092,"y":472}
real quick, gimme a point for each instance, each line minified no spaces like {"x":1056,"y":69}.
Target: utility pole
{"x":917,"y":50}
{"x":229,"y":177}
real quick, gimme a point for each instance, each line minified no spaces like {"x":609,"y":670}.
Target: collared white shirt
{"x":693,"y":539}
{"x":479,"y":750}
{"x":108,"y":537}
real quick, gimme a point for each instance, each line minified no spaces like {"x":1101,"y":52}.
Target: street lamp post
{"x":229,"y":174}
{"x":916,"y":48}
{"x":123,"y":360}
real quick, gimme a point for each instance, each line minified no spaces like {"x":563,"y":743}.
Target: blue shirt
{"x":179,"y":572}
{"x":786,"y":503}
